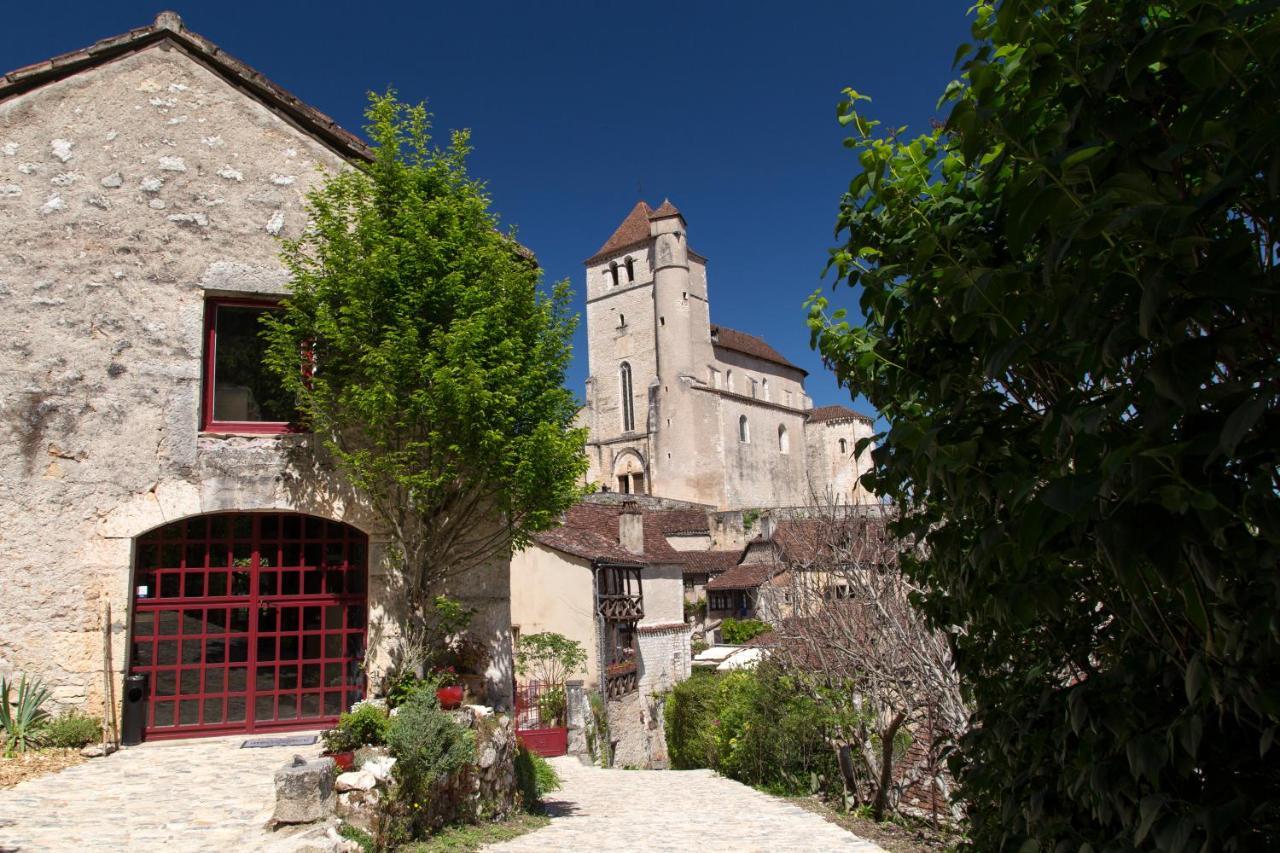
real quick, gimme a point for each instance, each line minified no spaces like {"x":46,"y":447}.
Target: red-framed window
{"x":240,"y":394}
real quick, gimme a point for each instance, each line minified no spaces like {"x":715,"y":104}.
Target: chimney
{"x":631,"y":527}
{"x":768,"y":525}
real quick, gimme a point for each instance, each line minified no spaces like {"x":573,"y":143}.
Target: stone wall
{"x":129,"y":193}
{"x":637,"y":732}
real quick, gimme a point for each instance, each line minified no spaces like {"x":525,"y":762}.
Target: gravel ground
{"x":29,"y":765}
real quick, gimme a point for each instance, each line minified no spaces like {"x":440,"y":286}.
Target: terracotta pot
{"x":450,"y":697}
{"x":344,"y":760}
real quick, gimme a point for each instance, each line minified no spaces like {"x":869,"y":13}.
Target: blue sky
{"x":578,"y":109}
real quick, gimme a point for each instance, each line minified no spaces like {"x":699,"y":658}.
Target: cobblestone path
{"x":203,"y":794}
{"x":674,"y":810}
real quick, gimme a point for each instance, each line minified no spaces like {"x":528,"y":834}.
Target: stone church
{"x":681,"y":407}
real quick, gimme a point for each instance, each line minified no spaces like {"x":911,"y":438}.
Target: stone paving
{"x":675,"y":810}
{"x":203,"y":794}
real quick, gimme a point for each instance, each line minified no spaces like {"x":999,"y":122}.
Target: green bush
{"x":551,"y":706}
{"x":72,"y":730}
{"x":365,"y":726}
{"x":428,"y":746}
{"x":535,"y":777}
{"x":738,"y":631}
{"x":753,"y":727}
{"x":689,"y":714}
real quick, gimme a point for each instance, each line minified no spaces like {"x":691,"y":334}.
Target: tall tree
{"x":1070,"y":303}
{"x":438,"y":380}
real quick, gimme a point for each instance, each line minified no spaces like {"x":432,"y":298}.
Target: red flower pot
{"x":344,"y":760}
{"x":450,"y":697}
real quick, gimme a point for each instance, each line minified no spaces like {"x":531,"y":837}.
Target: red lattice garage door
{"x":249,"y":622}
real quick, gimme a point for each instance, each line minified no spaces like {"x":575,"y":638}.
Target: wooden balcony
{"x":621,"y":679}
{"x":621,"y":608}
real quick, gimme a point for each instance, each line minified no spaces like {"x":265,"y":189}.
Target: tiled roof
{"x":664,"y":210}
{"x":168,"y":27}
{"x":584,"y":543}
{"x":590,"y":530}
{"x":732,"y":339}
{"x":743,"y":576}
{"x":710,"y":562}
{"x":633,"y":231}
{"x":676,"y":521}
{"x":823,"y":414}
{"x":804,"y":541}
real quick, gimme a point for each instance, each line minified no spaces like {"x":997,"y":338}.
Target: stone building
{"x":148,"y":463}
{"x":610,"y":578}
{"x":680,"y":407}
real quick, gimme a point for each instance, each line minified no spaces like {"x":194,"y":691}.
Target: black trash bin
{"x":135,"y":710}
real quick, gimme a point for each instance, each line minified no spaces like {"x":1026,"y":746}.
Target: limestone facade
{"x":680,"y":407}
{"x":145,"y":178}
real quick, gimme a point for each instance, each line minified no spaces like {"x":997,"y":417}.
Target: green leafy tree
{"x":738,"y":631}
{"x":1069,"y":294}
{"x":549,"y":658}
{"x":438,"y":363}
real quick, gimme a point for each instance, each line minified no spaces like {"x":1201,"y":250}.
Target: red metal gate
{"x":543,"y":736}
{"x":249,"y":622}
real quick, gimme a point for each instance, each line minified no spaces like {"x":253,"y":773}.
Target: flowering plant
{"x":445,"y":676}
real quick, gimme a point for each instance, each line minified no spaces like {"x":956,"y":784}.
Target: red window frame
{"x":207,"y":422}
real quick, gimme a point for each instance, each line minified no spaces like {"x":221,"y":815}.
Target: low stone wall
{"x":309,"y":792}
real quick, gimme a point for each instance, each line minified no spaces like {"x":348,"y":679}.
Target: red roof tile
{"x":675,"y":521}
{"x":633,"y":231}
{"x":732,"y":339}
{"x":710,"y":562}
{"x":803,"y":542}
{"x":743,"y":576}
{"x":664,"y":210}
{"x":590,"y":530}
{"x":823,"y":414}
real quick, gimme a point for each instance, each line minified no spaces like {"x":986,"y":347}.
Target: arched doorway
{"x":628,"y":472}
{"x":246,"y":622}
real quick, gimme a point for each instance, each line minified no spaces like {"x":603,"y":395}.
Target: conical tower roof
{"x":633,"y":230}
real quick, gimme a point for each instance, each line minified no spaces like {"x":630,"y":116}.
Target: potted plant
{"x":449,"y":691}
{"x":364,"y":725}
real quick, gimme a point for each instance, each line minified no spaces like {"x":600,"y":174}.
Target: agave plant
{"x":21,"y":722}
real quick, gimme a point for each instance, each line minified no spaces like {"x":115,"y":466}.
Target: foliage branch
{"x":438,"y":363}
{"x":1069,"y":294}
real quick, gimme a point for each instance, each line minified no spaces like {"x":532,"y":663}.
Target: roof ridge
{"x":169,"y":26}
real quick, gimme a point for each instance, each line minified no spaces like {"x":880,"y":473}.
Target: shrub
{"x":535,"y":777}
{"x":753,"y":727}
{"x":738,"y":631}
{"x":697,"y":647}
{"x":72,"y":730}
{"x":551,"y":706}
{"x":688,"y":714}
{"x":428,"y":746}
{"x":22,"y":720}
{"x":366,"y":725}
